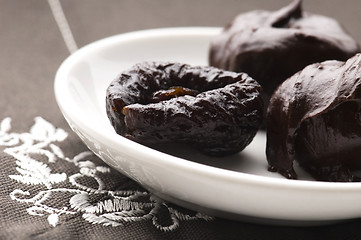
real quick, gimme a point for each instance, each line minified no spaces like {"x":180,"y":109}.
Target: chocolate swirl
{"x":272,"y":46}
{"x":314,"y":117}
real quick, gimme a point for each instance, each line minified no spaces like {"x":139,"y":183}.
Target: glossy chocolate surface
{"x":272,"y":46}
{"x":314,"y":117}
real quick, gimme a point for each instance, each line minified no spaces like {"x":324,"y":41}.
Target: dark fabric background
{"x":31,"y":50}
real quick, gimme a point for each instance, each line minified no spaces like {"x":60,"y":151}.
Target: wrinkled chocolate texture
{"x":272,"y":46}
{"x":216,"y":111}
{"x":314,"y":117}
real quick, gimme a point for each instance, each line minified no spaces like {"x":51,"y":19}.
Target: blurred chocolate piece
{"x":314,"y":117}
{"x":272,"y":46}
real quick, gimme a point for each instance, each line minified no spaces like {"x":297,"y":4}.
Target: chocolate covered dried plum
{"x":272,"y":46}
{"x":314,"y":117}
{"x":216,"y":111}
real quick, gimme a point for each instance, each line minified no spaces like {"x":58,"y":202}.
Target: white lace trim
{"x":31,"y":148}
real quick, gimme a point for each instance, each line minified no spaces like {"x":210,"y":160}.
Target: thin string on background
{"x":63,"y":25}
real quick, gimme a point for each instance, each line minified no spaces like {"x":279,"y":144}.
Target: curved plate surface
{"x":236,"y":186}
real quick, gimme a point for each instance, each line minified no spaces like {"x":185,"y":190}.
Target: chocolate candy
{"x":272,"y":46}
{"x":216,"y":111}
{"x":314,"y":117}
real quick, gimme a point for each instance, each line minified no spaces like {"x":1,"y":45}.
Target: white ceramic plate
{"x":235,"y":187}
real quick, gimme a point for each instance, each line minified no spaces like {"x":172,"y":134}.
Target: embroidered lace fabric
{"x":86,"y":187}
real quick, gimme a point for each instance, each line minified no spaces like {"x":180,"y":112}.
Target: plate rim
{"x":183,"y":164}
{"x":64,"y":68}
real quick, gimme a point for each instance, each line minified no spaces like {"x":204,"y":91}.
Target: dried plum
{"x":216,"y":111}
{"x":314,"y":117}
{"x":272,"y":46}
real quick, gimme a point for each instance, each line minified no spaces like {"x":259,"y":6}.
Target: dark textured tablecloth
{"x":49,"y":179}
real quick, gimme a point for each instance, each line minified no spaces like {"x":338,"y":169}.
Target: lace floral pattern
{"x":37,"y":151}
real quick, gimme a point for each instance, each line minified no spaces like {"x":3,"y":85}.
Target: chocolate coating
{"x":216,"y":111}
{"x":314,"y":117}
{"x":272,"y":46}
